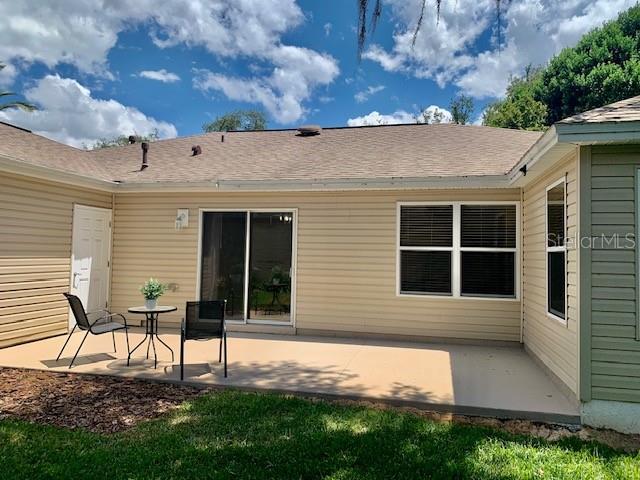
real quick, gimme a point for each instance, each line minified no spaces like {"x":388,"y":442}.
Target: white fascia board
{"x":599,"y":133}
{"x":12,"y":165}
{"x":533,"y":155}
{"x":489,"y":181}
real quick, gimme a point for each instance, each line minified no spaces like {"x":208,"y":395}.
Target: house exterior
{"x":425,"y":232}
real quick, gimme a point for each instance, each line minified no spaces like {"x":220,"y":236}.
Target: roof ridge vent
{"x":309,"y":130}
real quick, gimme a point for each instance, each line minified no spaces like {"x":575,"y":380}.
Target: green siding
{"x":613,"y":367}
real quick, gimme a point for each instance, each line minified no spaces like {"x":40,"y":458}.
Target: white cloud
{"x":446,"y":52}
{"x":363,"y":95}
{"x":7,"y":75}
{"x":160,"y":75}
{"x":297,"y":71}
{"x":327,"y":28}
{"x":326,"y":99}
{"x":431,"y":114}
{"x":82,"y":32}
{"x":69,"y":114}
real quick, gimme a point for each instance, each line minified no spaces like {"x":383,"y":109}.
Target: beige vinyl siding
{"x":35,"y":255}
{"x":346,"y":261}
{"x":615,"y":354}
{"x":553,"y":343}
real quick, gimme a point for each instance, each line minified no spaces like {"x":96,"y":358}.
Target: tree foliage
{"x":520,"y":108}
{"x":121,"y":140}
{"x":429,"y":116}
{"x":27,"y":107}
{"x":237,"y":120}
{"x":461,"y":108}
{"x":604,"y":67}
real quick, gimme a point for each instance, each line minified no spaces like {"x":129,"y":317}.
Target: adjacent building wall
{"x":346,"y":261}
{"x":35,"y":255}
{"x":613,"y":361}
{"x":550,"y":341}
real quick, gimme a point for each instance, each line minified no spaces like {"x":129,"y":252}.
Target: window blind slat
{"x":488,"y":274}
{"x":489,"y":226}
{"x":426,"y":226}
{"x":425,"y":272}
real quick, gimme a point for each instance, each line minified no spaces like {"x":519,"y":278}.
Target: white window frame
{"x":548,"y":249}
{"x":294,"y":263}
{"x":457,"y":249}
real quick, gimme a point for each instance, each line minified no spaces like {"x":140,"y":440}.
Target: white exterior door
{"x":90,"y":257}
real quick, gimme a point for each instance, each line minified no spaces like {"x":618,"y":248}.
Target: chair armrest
{"x":118,"y":315}
{"x":107,"y":316}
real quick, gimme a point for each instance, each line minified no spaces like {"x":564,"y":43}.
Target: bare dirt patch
{"x":96,"y":403}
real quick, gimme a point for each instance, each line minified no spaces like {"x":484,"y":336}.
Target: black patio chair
{"x":204,"y":321}
{"x":102,"y":324}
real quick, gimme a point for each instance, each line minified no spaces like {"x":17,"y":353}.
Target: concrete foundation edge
{"x":620,"y":416}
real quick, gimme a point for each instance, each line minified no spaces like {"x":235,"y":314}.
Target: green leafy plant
{"x":152,"y":289}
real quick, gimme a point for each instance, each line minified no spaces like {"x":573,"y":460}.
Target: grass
{"x":244,"y":435}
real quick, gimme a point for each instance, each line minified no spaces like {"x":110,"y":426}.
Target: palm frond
{"x":363,"y":7}
{"x":377,"y":11}
{"x":362,"y":25}
{"x":421,"y":18}
{"x":27,"y":107}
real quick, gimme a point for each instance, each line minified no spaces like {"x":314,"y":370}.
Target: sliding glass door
{"x":223,"y":260}
{"x":247,"y":259}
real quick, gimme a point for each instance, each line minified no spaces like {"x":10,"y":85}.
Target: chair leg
{"x":182,"y":351}
{"x":66,"y":341}
{"x":126,"y":335}
{"x":113,"y":334}
{"x":220,"y":353}
{"x":225,"y":354}
{"x":78,"y":351}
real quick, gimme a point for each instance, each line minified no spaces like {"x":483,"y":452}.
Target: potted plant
{"x":152,"y":289}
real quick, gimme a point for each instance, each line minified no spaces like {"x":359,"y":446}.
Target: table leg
{"x":150,"y":334}
{"x":146,"y":335}
{"x":162,"y":342}
{"x":155,"y":356}
{"x":167,"y":346}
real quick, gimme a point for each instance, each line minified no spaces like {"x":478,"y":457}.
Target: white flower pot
{"x":150,"y":304}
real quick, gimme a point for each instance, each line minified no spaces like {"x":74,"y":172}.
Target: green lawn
{"x":243,"y":435}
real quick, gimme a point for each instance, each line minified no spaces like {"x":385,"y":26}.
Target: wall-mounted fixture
{"x":182,"y":218}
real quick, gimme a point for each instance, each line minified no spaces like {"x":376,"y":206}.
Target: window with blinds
{"x":556,"y":250}
{"x":426,"y":244}
{"x":458,"y":249}
{"x":488,"y":250}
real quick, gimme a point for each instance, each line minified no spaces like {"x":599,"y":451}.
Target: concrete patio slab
{"x":479,"y":380}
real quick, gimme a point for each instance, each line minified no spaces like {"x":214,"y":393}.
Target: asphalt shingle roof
{"x":400,"y":151}
{"x":627,"y":110}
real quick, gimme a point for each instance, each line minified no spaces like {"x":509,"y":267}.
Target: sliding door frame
{"x":294,"y":262}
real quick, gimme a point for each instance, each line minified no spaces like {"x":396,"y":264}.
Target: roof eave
{"x":13,"y":165}
{"x":599,"y":132}
{"x":481,"y":181}
{"x":562,"y":139}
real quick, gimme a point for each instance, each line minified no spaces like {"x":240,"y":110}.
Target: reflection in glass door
{"x":222,"y":270}
{"x":270,"y":267}
{"x":247,"y":259}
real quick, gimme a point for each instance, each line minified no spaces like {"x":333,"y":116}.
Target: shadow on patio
{"x":496,"y":381}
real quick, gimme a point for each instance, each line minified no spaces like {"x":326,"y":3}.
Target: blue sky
{"x":102,"y":68}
